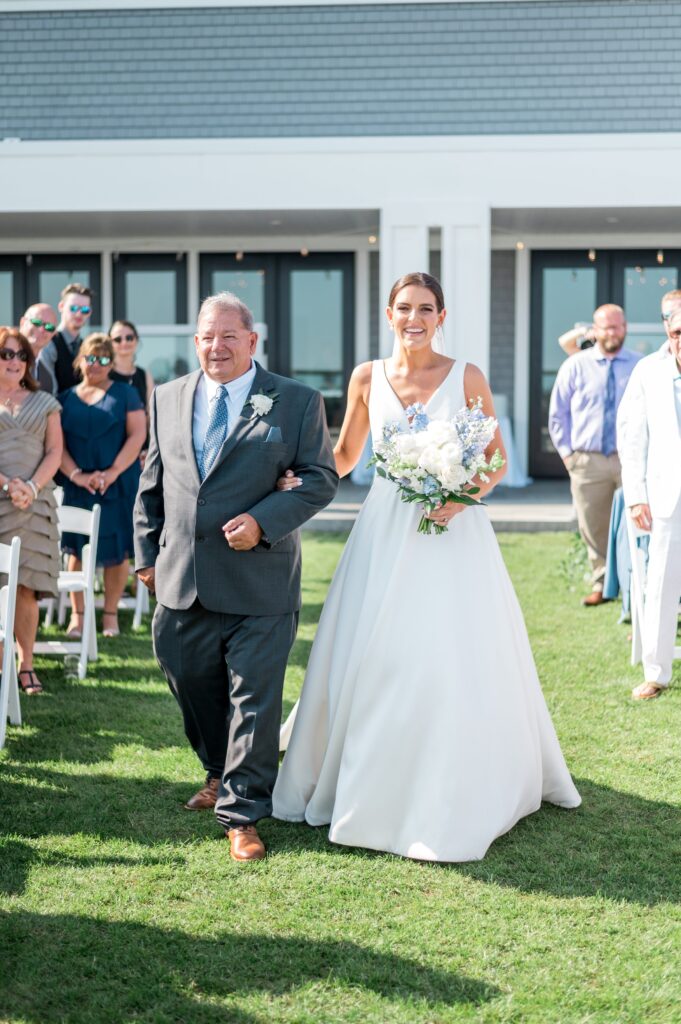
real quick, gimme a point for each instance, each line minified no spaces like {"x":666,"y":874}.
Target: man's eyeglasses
{"x":102,"y":360}
{"x":81,"y":309}
{"x":8,"y":354}
{"x":122,"y":337}
{"x":42,"y":323}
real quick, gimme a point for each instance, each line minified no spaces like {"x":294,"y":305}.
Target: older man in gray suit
{"x":220,"y":547}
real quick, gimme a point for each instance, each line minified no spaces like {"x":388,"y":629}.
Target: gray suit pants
{"x":227,"y":674}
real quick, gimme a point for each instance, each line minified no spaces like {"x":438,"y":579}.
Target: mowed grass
{"x":117,"y":905}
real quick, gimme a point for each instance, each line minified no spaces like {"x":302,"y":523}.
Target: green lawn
{"x":116,"y":905}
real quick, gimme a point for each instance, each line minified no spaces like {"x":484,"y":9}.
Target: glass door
{"x":151,"y":291}
{"x":317,"y":322}
{"x":304,"y":312}
{"x":47,"y":275}
{"x":251,"y":278}
{"x":566,"y":289}
{"x":639,"y":280}
{"x":12,"y":290}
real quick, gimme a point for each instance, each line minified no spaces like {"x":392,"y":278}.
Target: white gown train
{"x":421,"y":729}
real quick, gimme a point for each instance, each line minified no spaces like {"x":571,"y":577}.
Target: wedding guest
{"x":671,"y":302}
{"x":104,"y":430}
{"x":577,"y":339}
{"x":38,"y":324}
{"x":125,"y":340}
{"x":649,"y":429}
{"x":582,"y":425}
{"x":30,"y":453}
{"x":56,"y":361}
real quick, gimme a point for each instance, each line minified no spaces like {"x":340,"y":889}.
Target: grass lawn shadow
{"x":616,"y":845}
{"x":102,"y":971}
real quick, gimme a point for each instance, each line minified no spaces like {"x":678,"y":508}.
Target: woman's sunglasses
{"x":42,"y":323}
{"x":122,"y":337}
{"x":102,"y":360}
{"x":7,"y":354}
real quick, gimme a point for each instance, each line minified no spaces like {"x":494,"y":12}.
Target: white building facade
{"x":306,"y":155}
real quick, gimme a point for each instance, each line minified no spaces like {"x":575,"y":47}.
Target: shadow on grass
{"x":83,"y":725}
{"x":56,"y":968}
{"x":615,"y":845}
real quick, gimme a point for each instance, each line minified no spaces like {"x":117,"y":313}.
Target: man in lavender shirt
{"x":583,"y":428}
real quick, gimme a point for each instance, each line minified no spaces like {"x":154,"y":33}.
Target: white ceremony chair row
{"x":638,"y":590}
{"x":9,"y":684}
{"x":78,"y":520}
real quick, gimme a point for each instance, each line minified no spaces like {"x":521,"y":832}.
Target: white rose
{"x":261,"y":404}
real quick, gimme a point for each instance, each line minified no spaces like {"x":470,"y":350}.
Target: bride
{"x":421,"y":729}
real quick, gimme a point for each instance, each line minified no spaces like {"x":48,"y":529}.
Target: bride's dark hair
{"x":423,"y":280}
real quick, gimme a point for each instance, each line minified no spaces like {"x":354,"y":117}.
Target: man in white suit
{"x":649,"y":435}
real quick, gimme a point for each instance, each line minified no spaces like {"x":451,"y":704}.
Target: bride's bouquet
{"x":435,"y":461}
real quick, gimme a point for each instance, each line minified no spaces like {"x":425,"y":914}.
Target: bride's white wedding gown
{"x":422,"y":728}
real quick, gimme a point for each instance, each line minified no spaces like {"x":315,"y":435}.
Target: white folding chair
{"x":9,"y":685}
{"x":639,"y":570}
{"x":79,"y":520}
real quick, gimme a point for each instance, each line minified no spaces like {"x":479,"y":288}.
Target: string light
{"x":660,"y":256}
{"x":304,"y":251}
{"x":239,"y":256}
{"x":592,"y":255}
{"x":372,"y":239}
{"x":520,"y":246}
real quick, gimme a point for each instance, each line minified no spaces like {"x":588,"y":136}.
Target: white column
{"x":521,"y":378}
{"x":106,"y":285}
{"x":193,"y":296}
{"x":361,"y":353}
{"x":404,"y":248}
{"x":466,"y":257}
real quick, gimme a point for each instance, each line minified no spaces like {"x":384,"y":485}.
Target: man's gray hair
{"x":227,"y":301}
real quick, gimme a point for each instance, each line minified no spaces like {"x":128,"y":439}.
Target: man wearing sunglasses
{"x":38,"y":324}
{"x":55,"y":362}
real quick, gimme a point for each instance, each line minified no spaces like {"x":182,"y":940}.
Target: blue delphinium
{"x":417,"y":416}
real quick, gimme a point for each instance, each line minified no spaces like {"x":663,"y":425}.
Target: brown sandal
{"x":33,"y":685}
{"x":646,"y":691}
{"x":110,"y":631}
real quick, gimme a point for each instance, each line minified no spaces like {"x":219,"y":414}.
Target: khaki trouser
{"x":594,"y":478}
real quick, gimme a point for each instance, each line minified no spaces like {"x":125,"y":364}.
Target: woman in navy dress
{"x":104,"y":428}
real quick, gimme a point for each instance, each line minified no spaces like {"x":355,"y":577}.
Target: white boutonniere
{"x":261,"y":403}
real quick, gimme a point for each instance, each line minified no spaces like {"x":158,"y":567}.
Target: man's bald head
{"x":39,"y":334}
{"x":610,"y":328}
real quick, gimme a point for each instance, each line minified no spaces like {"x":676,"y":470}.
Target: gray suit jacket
{"x":179,"y":518}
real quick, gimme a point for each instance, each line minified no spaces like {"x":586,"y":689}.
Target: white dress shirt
{"x":237,"y":393}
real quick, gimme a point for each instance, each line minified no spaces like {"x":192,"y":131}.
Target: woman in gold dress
{"x":30,"y":453}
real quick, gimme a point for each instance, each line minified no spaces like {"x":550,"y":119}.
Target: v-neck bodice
{"x":385,"y":406}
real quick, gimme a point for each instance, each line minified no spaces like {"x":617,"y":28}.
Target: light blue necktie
{"x":609,"y":444}
{"x":217,"y":430}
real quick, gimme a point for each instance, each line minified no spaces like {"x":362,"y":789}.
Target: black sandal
{"x":33,"y":685}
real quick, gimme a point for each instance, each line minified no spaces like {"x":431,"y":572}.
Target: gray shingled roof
{"x":406,"y":69}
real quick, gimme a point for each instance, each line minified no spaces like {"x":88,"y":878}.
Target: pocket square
{"x":274,"y":434}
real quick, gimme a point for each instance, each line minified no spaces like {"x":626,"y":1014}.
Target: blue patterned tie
{"x":609,"y":444}
{"x":217,"y":430}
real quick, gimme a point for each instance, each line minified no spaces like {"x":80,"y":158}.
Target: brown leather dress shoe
{"x":205,"y":799}
{"x":593,"y":599}
{"x":245,"y":843}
